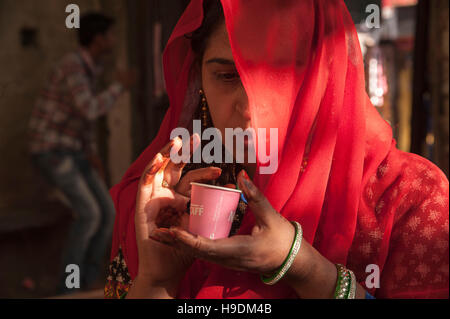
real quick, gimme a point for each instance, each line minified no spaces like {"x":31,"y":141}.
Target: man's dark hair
{"x":91,"y":25}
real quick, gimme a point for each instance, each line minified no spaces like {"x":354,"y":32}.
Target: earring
{"x":204,"y":109}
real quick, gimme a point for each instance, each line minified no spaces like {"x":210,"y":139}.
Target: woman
{"x":340,"y":182}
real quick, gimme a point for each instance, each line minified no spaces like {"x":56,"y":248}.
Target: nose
{"x":242,"y":106}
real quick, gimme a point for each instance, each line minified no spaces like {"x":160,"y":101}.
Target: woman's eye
{"x":227,"y":76}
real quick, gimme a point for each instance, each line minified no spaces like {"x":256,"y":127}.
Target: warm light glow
{"x":430,"y":139}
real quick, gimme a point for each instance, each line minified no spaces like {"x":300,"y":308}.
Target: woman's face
{"x":226,"y":97}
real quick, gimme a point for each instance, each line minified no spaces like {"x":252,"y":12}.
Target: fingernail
{"x":177,"y":144}
{"x":176,"y":139}
{"x":158,"y":158}
{"x":246,"y":182}
{"x":244,"y":174}
{"x":153,"y":169}
{"x":173,"y":229}
{"x":243,"y":198}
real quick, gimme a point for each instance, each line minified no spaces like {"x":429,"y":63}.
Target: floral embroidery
{"x":414,"y":222}
{"x":379,"y":206}
{"x":366,"y":249}
{"x":435,"y":258}
{"x":440,"y":200}
{"x":376,"y":234}
{"x":400,"y":272}
{"x":442,"y":245}
{"x":437,"y":278}
{"x":427,"y":232}
{"x":382,"y":170}
{"x":394,"y":194}
{"x":445,"y":226}
{"x":417,"y":260}
{"x":430,"y":174}
{"x":416,"y":184}
{"x":369,"y":193}
{"x":419,"y":250}
{"x":433,"y":215}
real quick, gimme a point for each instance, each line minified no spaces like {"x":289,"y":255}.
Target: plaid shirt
{"x":65,"y":112}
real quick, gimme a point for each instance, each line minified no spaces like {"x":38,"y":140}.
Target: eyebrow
{"x":220,"y":61}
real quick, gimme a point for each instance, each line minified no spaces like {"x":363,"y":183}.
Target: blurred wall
{"x":439,"y":81}
{"x":430,"y":116}
{"x":118,"y":136}
{"x":24,"y":69}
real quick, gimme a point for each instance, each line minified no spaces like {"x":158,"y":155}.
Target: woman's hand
{"x":265,"y":249}
{"x":161,"y":203}
{"x":262,"y":252}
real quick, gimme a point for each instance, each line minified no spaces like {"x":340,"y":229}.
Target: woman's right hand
{"x":161,"y":203}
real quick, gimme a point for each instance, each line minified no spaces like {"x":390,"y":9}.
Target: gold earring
{"x":204,"y":113}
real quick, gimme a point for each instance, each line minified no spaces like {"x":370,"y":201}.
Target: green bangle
{"x":352,"y":292}
{"x":289,"y":259}
{"x":345,"y":283}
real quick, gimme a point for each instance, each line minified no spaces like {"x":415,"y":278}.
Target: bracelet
{"x":341,"y":288}
{"x":289,"y":259}
{"x":346,"y":283}
{"x":352,"y":293}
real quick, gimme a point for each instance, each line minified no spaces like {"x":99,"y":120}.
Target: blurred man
{"x":62,"y":143}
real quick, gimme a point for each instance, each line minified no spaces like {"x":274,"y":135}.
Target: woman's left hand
{"x":263,"y":251}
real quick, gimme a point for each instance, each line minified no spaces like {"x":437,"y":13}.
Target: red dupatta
{"x":301,"y":61}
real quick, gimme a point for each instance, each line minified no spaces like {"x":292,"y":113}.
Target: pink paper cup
{"x":212,"y":210}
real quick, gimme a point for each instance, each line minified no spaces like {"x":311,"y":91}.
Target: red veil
{"x":302,"y":68}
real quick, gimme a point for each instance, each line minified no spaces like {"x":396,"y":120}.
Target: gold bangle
{"x":352,"y":293}
{"x":343,"y":282}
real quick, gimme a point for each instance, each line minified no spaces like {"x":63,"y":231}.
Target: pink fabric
{"x":303,"y":64}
